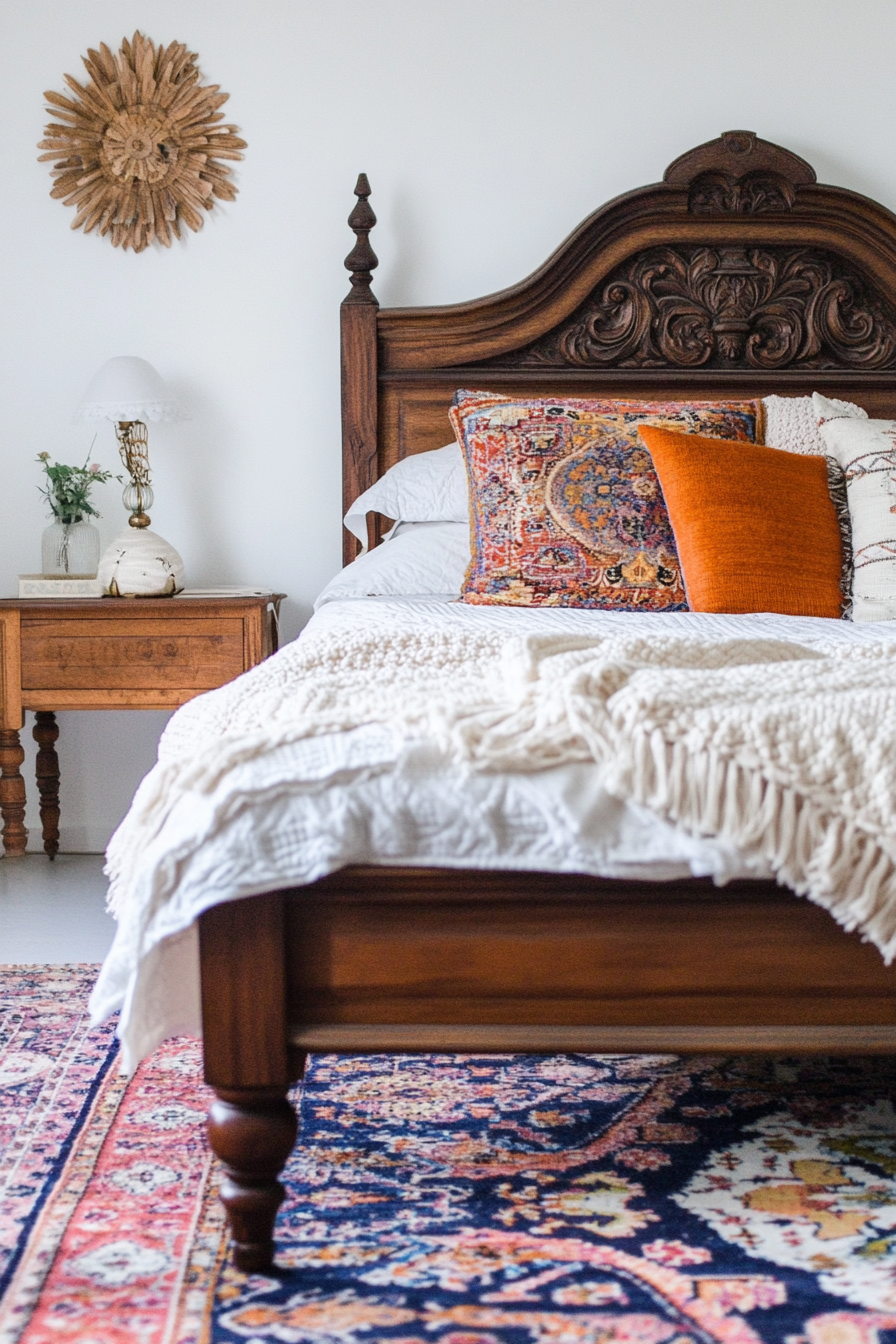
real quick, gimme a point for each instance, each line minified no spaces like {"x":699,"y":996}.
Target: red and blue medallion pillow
{"x":566,"y":508}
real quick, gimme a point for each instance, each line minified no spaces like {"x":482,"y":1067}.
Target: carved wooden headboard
{"x":736,"y":275}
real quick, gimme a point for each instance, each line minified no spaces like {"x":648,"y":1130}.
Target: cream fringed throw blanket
{"x":785,"y":751}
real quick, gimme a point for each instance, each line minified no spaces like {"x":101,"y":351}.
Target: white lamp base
{"x":139,"y":563}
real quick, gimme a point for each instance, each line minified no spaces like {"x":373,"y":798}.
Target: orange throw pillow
{"x":755,"y":527}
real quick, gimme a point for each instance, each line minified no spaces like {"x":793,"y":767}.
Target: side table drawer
{"x":94,"y":653}
{"x":139,"y":654}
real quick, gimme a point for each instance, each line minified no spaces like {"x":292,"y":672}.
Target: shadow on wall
{"x":401,"y":220}
{"x":830,"y":168}
{"x":102,"y":759}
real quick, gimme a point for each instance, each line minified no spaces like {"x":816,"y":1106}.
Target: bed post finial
{"x":362,"y":259}
{"x":360,"y":389}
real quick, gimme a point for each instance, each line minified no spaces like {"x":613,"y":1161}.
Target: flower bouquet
{"x":71,"y":544}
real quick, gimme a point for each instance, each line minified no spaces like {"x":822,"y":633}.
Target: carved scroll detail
{"x":719,"y":193}
{"x":725,"y":307}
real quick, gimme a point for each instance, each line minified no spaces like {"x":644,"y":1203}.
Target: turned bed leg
{"x":252,"y":1132}
{"x":251,"y":1127}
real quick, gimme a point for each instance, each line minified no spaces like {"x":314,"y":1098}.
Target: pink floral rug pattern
{"x":103,"y":1184}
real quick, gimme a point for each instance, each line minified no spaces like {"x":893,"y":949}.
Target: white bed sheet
{"x":310,"y":808}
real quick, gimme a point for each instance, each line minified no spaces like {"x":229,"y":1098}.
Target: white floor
{"x":53,"y":912}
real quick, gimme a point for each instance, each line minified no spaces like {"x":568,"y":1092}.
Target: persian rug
{"x":452,"y":1199}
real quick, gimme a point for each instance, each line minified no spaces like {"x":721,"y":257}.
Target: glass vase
{"x":70,"y":549}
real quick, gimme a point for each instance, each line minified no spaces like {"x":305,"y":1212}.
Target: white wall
{"x":488,"y":128}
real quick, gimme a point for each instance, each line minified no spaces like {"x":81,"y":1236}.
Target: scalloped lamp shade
{"x":128,"y":388}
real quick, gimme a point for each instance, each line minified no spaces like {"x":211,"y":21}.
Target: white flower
{"x":118,"y":1263}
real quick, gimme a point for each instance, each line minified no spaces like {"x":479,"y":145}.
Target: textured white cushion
{"x":417,"y":560}
{"x":426,"y":487}
{"x":792,"y":424}
{"x":866,"y":450}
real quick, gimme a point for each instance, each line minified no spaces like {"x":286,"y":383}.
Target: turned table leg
{"x":252,"y":1131}
{"x":45,"y":732}
{"x":12,"y":794}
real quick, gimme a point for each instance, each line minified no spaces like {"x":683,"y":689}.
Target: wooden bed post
{"x":359,"y":364}
{"x":251,"y":1127}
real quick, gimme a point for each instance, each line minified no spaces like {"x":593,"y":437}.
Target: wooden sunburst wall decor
{"x":140,"y":149}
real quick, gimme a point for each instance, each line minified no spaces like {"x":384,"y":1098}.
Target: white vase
{"x":71,"y":548}
{"x":140,"y":564}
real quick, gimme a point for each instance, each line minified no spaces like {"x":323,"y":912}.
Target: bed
{"x":378,"y":957}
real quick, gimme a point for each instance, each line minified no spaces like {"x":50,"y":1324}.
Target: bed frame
{"x":736,"y":275}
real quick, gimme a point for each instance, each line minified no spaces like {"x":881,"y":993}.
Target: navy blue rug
{"x":583,"y":1199}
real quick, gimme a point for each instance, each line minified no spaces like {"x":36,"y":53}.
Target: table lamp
{"x":129,"y":391}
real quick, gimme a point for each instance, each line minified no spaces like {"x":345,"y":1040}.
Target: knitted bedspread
{"x":786,"y":751}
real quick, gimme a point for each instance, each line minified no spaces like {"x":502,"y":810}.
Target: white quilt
{"x":423,"y":732}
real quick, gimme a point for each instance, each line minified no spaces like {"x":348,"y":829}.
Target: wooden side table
{"x":110,"y":653}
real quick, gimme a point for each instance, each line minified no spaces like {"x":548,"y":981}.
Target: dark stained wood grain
{"x":10,"y":670}
{"x":111,"y":697}
{"x":362,"y":260}
{"x":738,"y":154}
{"x":12,"y":794}
{"x":359,"y":362}
{"x":251,"y":1126}
{"x":197,"y":656}
{"x":389,"y":946}
{"x":724,"y":307}
{"x":645,"y":1009}
{"x":123,"y":608}
{"x":252,"y":1132}
{"x":45,"y":733}
{"x":359,"y":408}
{"x":244,"y":993}
{"x":548,"y":1040}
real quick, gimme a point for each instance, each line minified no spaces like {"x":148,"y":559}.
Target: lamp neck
{"x":133,"y":444}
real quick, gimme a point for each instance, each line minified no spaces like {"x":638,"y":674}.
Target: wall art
{"x":141,"y":148}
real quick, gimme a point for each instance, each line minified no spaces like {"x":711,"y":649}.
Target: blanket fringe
{"x":810,"y":849}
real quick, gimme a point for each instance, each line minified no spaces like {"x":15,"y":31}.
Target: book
{"x":83,"y":585}
{"x":53,"y":585}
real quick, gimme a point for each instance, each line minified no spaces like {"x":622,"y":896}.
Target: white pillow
{"x":426,"y":487}
{"x":866,"y":450}
{"x":792,"y":424}
{"x":417,"y":560}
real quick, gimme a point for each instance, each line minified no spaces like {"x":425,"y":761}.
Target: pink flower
{"x":94,"y":467}
{"x":676,"y":1253}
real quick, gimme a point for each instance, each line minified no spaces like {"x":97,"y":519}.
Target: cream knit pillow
{"x":866,"y":450}
{"x":791,"y":423}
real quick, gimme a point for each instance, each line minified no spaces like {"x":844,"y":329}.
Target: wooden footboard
{"x":400,"y":959}
{"x":391,"y":958}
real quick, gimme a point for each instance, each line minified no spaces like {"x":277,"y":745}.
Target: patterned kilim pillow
{"x":866,"y":450}
{"x":566,"y":509}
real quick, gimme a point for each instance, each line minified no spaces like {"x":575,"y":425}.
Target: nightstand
{"x":110,"y":653}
